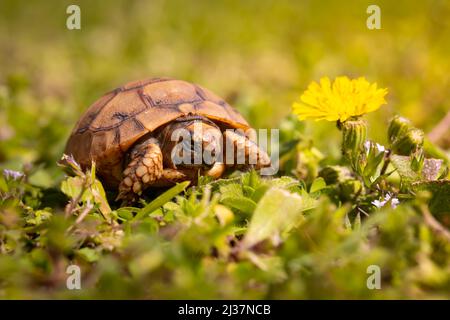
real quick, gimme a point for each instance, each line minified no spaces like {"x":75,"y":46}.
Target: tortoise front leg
{"x":144,"y":168}
{"x":243,"y":152}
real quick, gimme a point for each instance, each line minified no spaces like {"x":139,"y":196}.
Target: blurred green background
{"x":259,"y":55}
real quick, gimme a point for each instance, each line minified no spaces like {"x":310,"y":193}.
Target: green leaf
{"x":162,"y":199}
{"x":245,"y":205}
{"x":259,"y":192}
{"x":403,"y":166}
{"x":284,"y":182}
{"x":317,"y":185}
{"x":232,"y":190}
{"x":99,"y":196}
{"x":72,"y":187}
{"x":232,"y":195}
{"x":251,"y":179}
{"x":430,"y":170}
{"x":276,"y":213}
{"x":248,"y":191}
{"x":125,"y":213}
{"x":147,"y":225}
{"x":94,"y":192}
{"x":88,"y":254}
{"x":439,"y":203}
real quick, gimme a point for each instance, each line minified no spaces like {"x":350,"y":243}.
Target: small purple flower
{"x":70,"y":160}
{"x":11,"y":174}
{"x":379,"y":204}
{"x":387,"y":198}
{"x":394,"y":203}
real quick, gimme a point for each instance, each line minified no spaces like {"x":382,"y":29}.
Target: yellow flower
{"x":340,"y":100}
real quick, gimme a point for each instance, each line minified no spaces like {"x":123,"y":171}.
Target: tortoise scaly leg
{"x":245,"y":152}
{"x":144,"y":168}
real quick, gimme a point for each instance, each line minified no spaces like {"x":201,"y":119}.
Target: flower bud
{"x":409,"y":143}
{"x":354,"y":135}
{"x":335,"y":174}
{"x":398,"y":127}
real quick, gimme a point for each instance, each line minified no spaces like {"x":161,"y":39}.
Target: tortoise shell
{"x":112,"y":124}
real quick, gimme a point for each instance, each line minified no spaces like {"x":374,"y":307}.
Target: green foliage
{"x":277,"y":212}
{"x":308,"y":233}
{"x":161,"y":200}
{"x":290,"y":244}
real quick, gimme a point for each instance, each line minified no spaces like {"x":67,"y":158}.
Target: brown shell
{"x":117,"y":120}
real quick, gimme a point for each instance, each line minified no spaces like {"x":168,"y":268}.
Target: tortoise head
{"x":192,"y":142}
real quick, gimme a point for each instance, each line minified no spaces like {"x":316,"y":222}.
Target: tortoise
{"x":128,"y":133}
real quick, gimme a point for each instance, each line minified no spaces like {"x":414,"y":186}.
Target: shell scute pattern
{"x":113,"y":123}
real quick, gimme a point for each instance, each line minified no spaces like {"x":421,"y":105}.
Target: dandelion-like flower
{"x":343,"y":99}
